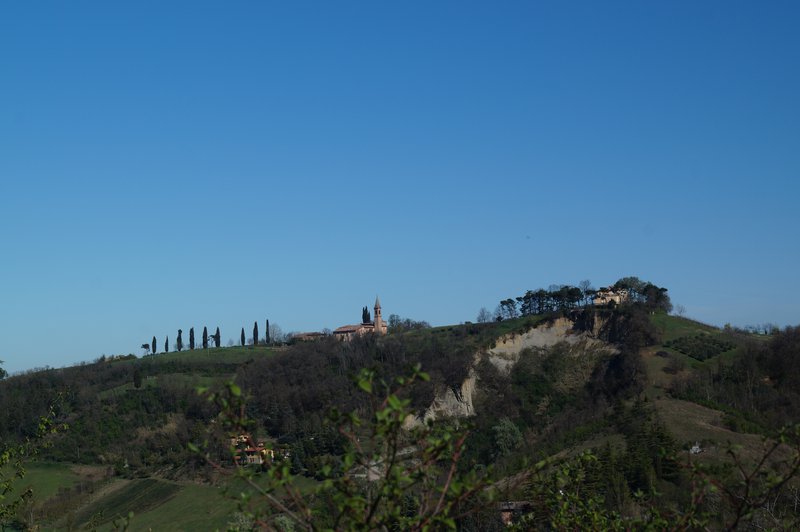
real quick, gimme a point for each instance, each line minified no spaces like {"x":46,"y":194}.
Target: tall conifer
{"x":153,"y":346}
{"x":255,"y":333}
{"x":216,"y":337}
{"x":205,"y":338}
{"x":191,"y":338}
{"x":243,"y":336}
{"x":179,"y":341}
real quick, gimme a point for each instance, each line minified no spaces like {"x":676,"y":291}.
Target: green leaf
{"x":394,"y":402}
{"x":365,"y":385}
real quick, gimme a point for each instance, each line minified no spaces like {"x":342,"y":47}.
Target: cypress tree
{"x":242,"y":336}
{"x":205,"y":338}
{"x":255,"y":333}
{"x":166,"y":345}
{"x":216,"y":337}
{"x":179,"y":341}
{"x":191,"y":338}
{"x":266,"y":334}
{"x":153,"y":347}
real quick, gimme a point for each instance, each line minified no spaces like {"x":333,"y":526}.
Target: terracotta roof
{"x":313,"y":334}
{"x":348,"y":328}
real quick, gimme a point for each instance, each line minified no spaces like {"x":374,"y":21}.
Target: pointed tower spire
{"x":380,"y":327}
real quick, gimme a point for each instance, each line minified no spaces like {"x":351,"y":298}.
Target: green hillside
{"x":648,"y":387}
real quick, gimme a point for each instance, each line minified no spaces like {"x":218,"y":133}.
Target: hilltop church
{"x":377,"y":326}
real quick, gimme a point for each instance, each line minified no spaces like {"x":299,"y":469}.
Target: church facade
{"x":377,"y":326}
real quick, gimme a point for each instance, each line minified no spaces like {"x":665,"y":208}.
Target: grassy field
{"x":45,"y":479}
{"x":156,"y":504}
{"x":203,"y":359}
{"x":226,"y":355}
{"x":673,"y":327}
{"x":172,"y":507}
{"x":689,"y":422}
{"x":197,"y":507}
{"x":136,"y":496}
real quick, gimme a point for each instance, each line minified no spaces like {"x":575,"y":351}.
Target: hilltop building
{"x":307,"y":336}
{"x":377,"y":326}
{"x":604,"y":296}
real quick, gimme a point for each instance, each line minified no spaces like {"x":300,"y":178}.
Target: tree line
{"x":558,"y":298}
{"x":151,"y":347}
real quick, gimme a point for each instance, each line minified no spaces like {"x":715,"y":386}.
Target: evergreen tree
{"x":153,"y":345}
{"x":166,"y":344}
{"x":266,"y":334}
{"x":179,"y":341}
{"x":255,"y":333}
{"x":191,"y":338}
{"x":242,"y":336}
{"x":216,"y":338}
{"x":205,"y":338}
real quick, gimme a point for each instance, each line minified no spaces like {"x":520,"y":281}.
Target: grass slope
{"x":690,"y":422}
{"x":189,"y":508}
{"x":137,"y":496}
{"x":45,"y":479}
{"x":673,"y":327}
{"x":227,"y":355}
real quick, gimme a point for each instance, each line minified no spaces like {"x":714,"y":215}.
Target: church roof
{"x":352,"y":328}
{"x":377,"y":302}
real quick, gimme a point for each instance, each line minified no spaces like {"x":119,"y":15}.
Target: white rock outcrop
{"x":504,"y":355}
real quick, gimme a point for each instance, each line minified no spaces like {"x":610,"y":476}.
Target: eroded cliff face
{"x":581,"y":333}
{"x":447,"y":404}
{"x":505,"y":354}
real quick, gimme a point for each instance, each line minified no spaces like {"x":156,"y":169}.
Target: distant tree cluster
{"x":366,"y":317}
{"x":397,"y":324}
{"x":651,"y":296}
{"x":559,"y":298}
{"x":541,"y":301}
{"x":275,"y":332}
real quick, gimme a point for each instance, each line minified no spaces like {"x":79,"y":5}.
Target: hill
{"x":636,"y":386}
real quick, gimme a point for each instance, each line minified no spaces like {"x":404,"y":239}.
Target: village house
{"x":249,"y":452}
{"x":307,"y":336}
{"x":377,"y":326}
{"x":604,"y":296}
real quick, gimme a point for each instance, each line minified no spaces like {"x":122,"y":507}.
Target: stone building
{"x":604,"y":296}
{"x":377,"y":326}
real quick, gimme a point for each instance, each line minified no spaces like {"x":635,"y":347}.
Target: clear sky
{"x":173,"y":164}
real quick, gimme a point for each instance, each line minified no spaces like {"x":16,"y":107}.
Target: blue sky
{"x":206,"y":163}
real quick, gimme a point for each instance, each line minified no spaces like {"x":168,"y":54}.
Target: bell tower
{"x":380,"y":327}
